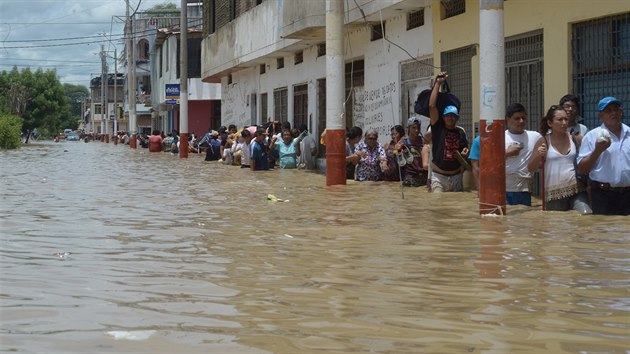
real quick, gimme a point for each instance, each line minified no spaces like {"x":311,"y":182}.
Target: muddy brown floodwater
{"x":108,"y":249}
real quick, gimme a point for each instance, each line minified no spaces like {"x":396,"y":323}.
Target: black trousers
{"x":609,"y":201}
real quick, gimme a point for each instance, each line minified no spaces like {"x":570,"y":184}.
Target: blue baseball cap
{"x":451,"y":110}
{"x":604,"y":102}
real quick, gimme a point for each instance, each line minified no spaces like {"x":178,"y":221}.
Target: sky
{"x":64,"y":35}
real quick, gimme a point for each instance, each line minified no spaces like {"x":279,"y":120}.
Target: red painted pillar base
{"x":115,"y":138}
{"x":107,"y":138}
{"x":183,"y":145}
{"x":492,"y":168}
{"x":133,"y":143}
{"x":335,"y":157}
{"x":102,"y":138}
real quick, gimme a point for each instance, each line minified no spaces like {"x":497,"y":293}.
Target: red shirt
{"x":155,"y":143}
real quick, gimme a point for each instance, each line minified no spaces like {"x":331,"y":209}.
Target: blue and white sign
{"x":172,"y":91}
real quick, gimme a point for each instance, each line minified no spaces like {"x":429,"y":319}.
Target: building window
{"x":460,"y":82}
{"x":299,"y":57}
{"x":600,"y":52}
{"x":321,"y":49}
{"x":280,"y":106}
{"x":300,"y":105}
{"x":97,"y":108}
{"x":166,"y":55}
{"x":524,"y":74}
{"x":161,"y":61}
{"x":230,"y":79}
{"x":143,"y":50}
{"x":415,"y":19}
{"x":264,"y":110}
{"x":279,"y":63}
{"x":354,"y":82}
{"x":263,"y":69}
{"x":378,"y":31}
{"x":232,"y":9}
{"x":450,"y":8}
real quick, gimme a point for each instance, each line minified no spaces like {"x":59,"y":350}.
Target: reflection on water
{"x":105,"y":249}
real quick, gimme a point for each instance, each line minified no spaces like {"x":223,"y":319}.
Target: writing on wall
{"x":378,"y":109}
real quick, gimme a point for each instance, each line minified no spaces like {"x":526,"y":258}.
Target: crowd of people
{"x":582,"y":170}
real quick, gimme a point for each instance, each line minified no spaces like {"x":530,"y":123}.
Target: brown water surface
{"x":170,"y":255}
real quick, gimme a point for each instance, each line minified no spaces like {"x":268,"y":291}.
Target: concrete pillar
{"x":183,"y":82}
{"x":492,"y":108}
{"x":335,"y":93}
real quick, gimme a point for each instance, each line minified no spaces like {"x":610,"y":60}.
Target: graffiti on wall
{"x":378,"y":109}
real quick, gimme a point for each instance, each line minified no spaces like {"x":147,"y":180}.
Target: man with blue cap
{"x":448,"y":141}
{"x":605,"y":156}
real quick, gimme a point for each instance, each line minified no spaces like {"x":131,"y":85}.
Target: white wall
{"x":197,"y":90}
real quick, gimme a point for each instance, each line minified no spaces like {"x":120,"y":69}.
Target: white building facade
{"x":270,"y":58}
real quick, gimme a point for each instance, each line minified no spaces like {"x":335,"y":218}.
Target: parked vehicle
{"x":73,"y":136}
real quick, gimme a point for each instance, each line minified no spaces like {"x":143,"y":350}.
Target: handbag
{"x":582,"y":179}
{"x":445,"y":98}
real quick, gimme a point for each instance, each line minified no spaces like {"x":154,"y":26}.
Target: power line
{"x":51,"y":60}
{"x":54,"y":39}
{"x":119,"y":37}
{"x":53,"y":23}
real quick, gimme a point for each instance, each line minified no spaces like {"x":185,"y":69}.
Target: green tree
{"x":76,"y":94}
{"x":36,"y":97}
{"x":10,"y":129}
{"x":163,"y":10}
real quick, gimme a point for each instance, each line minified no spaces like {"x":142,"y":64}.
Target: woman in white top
{"x":558,"y":151}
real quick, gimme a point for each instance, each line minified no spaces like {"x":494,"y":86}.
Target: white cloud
{"x":22,"y":21}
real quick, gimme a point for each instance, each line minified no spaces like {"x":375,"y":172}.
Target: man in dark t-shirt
{"x":448,"y":141}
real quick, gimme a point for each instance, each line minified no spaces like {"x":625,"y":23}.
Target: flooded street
{"x":108,"y":249}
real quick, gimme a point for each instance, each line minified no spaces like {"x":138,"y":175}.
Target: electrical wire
{"x":120,"y":37}
{"x":369,"y":25}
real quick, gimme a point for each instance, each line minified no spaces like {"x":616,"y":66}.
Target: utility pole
{"x":335,"y":93}
{"x":115,"y":93}
{"x":103,"y":73}
{"x":492,"y":108}
{"x":183,"y":81}
{"x":106,"y":131}
{"x":131,"y":79}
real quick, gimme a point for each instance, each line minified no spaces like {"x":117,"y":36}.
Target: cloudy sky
{"x":64,"y":35}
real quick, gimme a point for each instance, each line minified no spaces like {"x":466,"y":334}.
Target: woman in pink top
{"x":155,"y":141}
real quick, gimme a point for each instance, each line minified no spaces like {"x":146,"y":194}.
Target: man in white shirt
{"x":519,"y":146}
{"x":246,"y":148}
{"x":605,"y":156}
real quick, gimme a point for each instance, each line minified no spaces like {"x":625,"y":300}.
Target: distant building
{"x":95,"y":113}
{"x":156,"y":64}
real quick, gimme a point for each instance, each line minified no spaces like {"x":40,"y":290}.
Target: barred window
{"x":415,"y":19}
{"x":279,"y":63}
{"x":450,"y":8}
{"x":601,"y":58}
{"x":280,"y":106}
{"x":460,"y":81}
